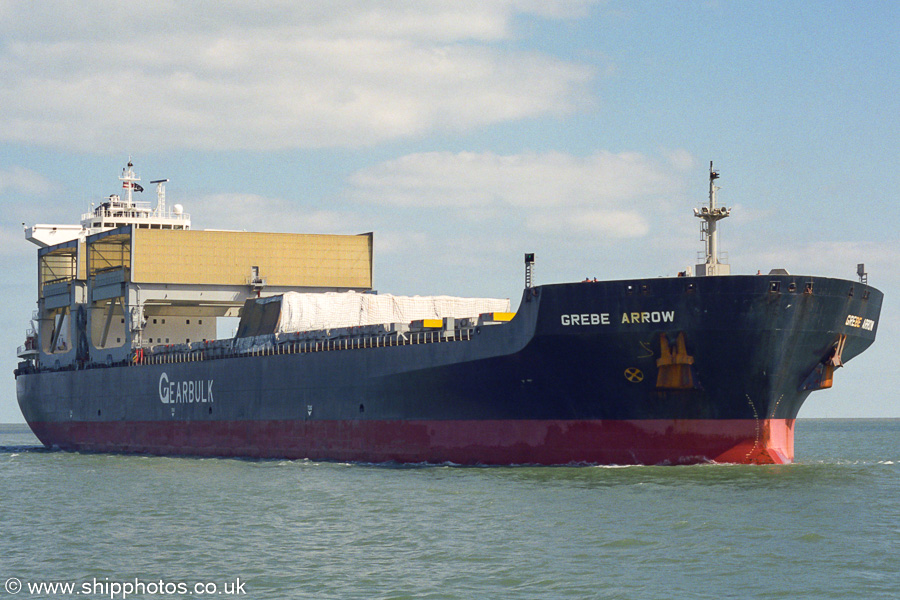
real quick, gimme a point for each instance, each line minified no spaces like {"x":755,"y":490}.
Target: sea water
{"x":110,"y":526}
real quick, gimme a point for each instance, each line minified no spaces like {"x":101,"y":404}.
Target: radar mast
{"x":710,"y":216}
{"x":130,"y":183}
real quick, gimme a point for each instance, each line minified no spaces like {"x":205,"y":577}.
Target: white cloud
{"x":552,"y":179}
{"x":393,"y":242}
{"x":680,"y":158}
{"x":476,"y":206}
{"x":13,"y":245}
{"x":281,"y":75}
{"x":614,"y":223}
{"x":435,"y":19}
{"x":18,"y":180}
{"x":252,"y":212}
{"x":745,"y":213}
{"x":832,"y":258}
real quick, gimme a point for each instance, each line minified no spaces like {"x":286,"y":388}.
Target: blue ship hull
{"x":647,"y":371}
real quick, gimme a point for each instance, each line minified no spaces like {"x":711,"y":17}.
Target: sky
{"x":466,"y":133}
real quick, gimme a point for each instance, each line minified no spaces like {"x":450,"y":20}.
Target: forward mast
{"x":710,"y":215}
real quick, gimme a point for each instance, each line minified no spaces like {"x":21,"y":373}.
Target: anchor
{"x":674,"y":365}
{"x":822,"y":376}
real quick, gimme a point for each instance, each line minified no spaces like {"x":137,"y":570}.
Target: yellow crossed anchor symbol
{"x":634,"y":375}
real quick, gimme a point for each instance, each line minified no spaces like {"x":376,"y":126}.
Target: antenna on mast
{"x":529,"y":270}
{"x":130,"y":183}
{"x":711,"y":215}
{"x":160,"y":196}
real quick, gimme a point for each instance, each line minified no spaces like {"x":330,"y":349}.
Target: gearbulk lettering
{"x":184,"y":392}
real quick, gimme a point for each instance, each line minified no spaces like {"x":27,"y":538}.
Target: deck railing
{"x":303,"y":347}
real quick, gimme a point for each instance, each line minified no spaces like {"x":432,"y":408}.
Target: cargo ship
{"x":125,"y":354}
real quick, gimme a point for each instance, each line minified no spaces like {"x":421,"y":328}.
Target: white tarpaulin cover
{"x":304,"y":312}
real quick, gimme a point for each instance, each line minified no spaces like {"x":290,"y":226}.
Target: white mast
{"x":128,"y":180}
{"x":710,"y":215}
{"x":160,"y":197}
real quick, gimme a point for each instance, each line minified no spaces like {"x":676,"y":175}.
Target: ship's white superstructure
{"x":116,"y":211}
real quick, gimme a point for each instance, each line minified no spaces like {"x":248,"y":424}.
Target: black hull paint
{"x":752,"y":350}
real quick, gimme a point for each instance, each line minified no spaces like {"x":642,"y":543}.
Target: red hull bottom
{"x":769,"y":441}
